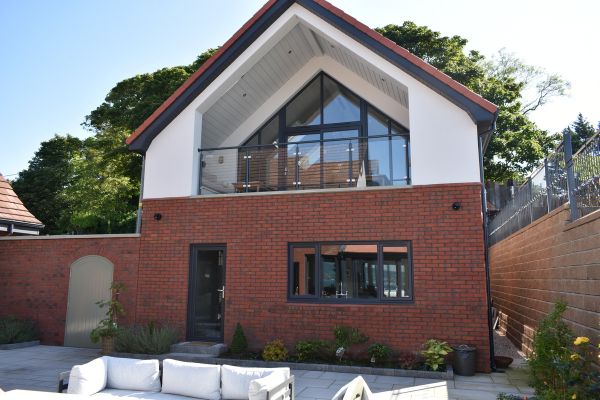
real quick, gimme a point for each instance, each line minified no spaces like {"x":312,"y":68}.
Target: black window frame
{"x":317,"y":298}
{"x":361,"y":125}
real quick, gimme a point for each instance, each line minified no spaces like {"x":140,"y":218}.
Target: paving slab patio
{"x":37,"y":368}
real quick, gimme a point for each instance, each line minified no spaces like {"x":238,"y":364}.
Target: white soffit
{"x":284,"y":60}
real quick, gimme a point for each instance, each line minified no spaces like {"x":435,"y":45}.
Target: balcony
{"x":302,"y":164}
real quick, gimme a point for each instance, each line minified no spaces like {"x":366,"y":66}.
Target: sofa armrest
{"x":283,"y":391}
{"x":63,"y":381}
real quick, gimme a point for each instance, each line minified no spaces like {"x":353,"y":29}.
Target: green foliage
{"x":103,"y":196}
{"x":581,"y":130}
{"x":518,"y":144}
{"x":560,"y":366}
{"x":109,"y":327}
{"x":435,"y":351}
{"x":379,"y":352}
{"x":505,"y":396}
{"x":275,"y":351}
{"x":408,"y":361}
{"x":15,"y":330}
{"x":311,"y":350}
{"x":346,"y":336}
{"x":148,"y":339}
{"x":40,"y":185}
{"x":239,"y":344}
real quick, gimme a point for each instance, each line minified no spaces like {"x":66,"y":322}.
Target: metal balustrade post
{"x":297,"y":169}
{"x":247,"y":177}
{"x":548,"y":185}
{"x":350,"y":163}
{"x":568,"y":149}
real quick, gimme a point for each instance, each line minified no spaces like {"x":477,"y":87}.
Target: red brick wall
{"x":548,"y":260}
{"x":34,"y":276}
{"x":448,"y":260}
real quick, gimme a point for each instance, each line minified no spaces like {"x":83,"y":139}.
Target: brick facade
{"x":448,"y":262}
{"x":548,"y":260}
{"x":34,"y":276}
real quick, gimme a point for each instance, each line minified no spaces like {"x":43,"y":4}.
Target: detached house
{"x":313,"y":173}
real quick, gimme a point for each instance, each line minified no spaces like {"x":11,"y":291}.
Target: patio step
{"x":207,"y":349}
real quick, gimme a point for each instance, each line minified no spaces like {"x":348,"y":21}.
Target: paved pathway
{"x":37,"y":368}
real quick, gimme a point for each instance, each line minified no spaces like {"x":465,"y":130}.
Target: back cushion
{"x":192,"y":379}
{"x":132,"y":374}
{"x":235,"y":381}
{"x":89,"y":378}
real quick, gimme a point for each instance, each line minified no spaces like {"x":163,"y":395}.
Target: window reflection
{"x":339,"y":104}
{"x":395,"y":272}
{"x":349,"y":271}
{"x":303,"y":261}
{"x":305,"y":109}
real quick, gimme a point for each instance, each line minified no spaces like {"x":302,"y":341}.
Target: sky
{"x":59,"y":59}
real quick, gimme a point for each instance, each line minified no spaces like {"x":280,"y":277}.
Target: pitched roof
{"x":12,"y":209}
{"x":481,"y":110}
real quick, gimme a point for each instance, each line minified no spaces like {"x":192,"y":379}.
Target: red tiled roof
{"x":11,"y":207}
{"x":472,"y":96}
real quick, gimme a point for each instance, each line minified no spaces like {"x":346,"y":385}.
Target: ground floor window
{"x":350,"y":271}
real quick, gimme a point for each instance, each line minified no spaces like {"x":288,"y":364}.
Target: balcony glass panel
{"x":341,"y":165}
{"x":303,"y":162}
{"x":399,"y":172}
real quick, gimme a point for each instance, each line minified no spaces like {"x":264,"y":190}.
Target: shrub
{"x":148,"y":339}
{"x":310,"y":350}
{"x":14,"y":330}
{"x":560,"y":366}
{"x":275,"y":351}
{"x":108,"y":327}
{"x":346,"y":336}
{"x":504,"y":396}
{"x":435,"y":351}
{"x":239,"y":344}
{"x":409,"y":361}
{"x":379,"y":352}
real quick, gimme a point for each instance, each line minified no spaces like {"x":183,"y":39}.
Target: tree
{"x":581,"y":130}
{"x":49,"y":172}
{"x":518,"y":144}
{"x":103,"y":194}
{"x":132,"y":100}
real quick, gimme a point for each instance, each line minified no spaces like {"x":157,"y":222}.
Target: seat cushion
{"x":113,"y":394}
{"x":88,"y":378}
{"x":260,"y":387}
{"x":235,"y":381}
{"x":202,"y":381}
{"x":132,"y":374}
{"x":356,"y":389}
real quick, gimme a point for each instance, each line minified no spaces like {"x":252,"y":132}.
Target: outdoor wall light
{"x":456,"y":206}
{"x":157,"y":216}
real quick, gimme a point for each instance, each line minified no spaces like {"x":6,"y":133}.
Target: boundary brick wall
{"x":548,"y":260}
{"x":34,"y":276}
{"x":450,"y":300}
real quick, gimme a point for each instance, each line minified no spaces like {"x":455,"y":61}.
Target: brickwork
{"x":448,"y":261}
{"x":550,"y":259}
{"x":449,"y":275}
{"x":34,"y":277}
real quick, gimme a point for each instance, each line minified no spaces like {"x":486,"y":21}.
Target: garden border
{"x":13,"y":346}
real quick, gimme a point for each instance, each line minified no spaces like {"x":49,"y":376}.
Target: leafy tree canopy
{"x":49,"y":172}
{"x":581,"y":130}
{"x":518,"y":143}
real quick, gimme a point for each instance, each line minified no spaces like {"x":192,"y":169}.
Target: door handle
{"x":222,"y":292}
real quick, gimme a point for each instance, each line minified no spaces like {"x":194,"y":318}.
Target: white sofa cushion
{"x":116,"y":394}
{"x":259,"y":387}
{"x":132,"y":374}
{"x":88,"y":378}
{"x":202,"y":381}
{"x":235,"y":381}
{"x":357,"y":388}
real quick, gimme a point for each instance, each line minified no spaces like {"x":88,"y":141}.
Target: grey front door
{"x":206,"y":298}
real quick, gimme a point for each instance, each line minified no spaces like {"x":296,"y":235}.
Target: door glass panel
{"x":303,"y":274}
{"x":206,"y":303}
{"x":339,"y":104}
{"x":341,"y":164}
{"x":396,"y":275}
{"x":305,"y":109}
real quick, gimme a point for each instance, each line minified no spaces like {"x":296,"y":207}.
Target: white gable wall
{"x":443,"y":136}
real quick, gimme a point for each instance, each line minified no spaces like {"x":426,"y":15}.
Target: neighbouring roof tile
{"x":11,"y":207}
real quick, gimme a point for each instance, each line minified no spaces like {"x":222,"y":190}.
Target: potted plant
{"x":108,"y":328}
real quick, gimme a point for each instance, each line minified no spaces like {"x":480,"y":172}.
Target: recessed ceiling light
{"x":244,"y":95}
{"x":289,"y":52}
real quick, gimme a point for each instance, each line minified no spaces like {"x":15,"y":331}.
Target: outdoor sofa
{"x":116,"y":378}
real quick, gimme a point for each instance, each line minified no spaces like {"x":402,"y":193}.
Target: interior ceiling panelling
{"x":273,"y":70}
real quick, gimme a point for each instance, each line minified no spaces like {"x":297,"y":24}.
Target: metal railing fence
{"x":562,"y":178}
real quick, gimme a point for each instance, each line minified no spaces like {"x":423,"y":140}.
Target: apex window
{"x":350,"y":271}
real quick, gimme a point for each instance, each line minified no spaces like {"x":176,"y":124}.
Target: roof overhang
{"x":482,"y":112}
